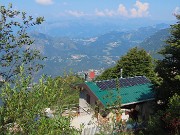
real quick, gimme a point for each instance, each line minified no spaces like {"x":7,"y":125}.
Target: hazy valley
{"x":96,"y":52}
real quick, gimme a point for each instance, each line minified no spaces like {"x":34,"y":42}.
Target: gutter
{"x":138,"y":102}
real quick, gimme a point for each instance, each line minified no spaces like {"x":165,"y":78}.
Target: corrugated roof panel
{"x":131,"y":94}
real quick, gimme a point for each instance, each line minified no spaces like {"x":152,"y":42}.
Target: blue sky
{"x":161,"y":10}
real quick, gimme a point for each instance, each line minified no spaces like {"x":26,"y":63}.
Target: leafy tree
{"x":136,"y":62}
{"x":166,"y":121}
{"x":171,"y":117}
{"x":15,"y":43}
{"x":169,"y":67}
{"x":23,"y":110}
{"x":23,"y":102}
{"x":108,"y":74}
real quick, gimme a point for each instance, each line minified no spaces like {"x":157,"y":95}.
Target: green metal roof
{"x":128,"y":95}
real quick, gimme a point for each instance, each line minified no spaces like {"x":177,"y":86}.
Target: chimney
{"x":85,"y":76}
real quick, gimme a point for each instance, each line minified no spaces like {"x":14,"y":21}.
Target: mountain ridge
{"x":64,"y":53}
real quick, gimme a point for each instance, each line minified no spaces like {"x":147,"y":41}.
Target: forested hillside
{"x":155,"y":42}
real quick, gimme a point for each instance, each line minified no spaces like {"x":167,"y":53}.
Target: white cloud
{"x":177,"y":10}
{"x":45,"y":2}
{"x":106,"y":12}
{"x":109,"y":12}
{"x":122,"y":10}
{"x":134,"y":12}
{"x":141,"y":9}
{"x":75,"y":13}
{"x":99,"y":13}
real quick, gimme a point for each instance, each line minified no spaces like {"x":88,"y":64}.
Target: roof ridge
{"x":120,"y":78}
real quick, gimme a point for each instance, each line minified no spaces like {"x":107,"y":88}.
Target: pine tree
{"x":169,"y":67}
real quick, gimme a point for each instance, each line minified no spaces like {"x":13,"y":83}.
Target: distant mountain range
{"x":65,"y":53}
{"x":86,"y":28}
{"x":155,"y":42}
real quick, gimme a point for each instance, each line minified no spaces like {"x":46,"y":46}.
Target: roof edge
{"x":138,"y":102}
{"x":94,"y":94}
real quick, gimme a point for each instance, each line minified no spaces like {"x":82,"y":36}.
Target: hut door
{"x":88,"y":98}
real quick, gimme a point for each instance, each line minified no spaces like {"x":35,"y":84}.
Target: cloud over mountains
{"x":138,"y":10}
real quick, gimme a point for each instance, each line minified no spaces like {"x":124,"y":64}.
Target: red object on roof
{"x":91,"y":74}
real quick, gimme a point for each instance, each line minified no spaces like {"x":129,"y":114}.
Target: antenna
{"x":121,"y":72}
{"x":85,"y":76}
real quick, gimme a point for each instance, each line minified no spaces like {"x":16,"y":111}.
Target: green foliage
{"x":155,"y":125}
{"x":69,"y":95}
{"x":135,"y":63}
{"x":55,"y":126}
{"x":15,"y":43}
{"x":166,"y":122}
{"x":107,"y":74}
{"x":171,"y":117}
{"x":23,"y":104}
{"x":169,"y":67}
